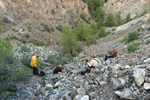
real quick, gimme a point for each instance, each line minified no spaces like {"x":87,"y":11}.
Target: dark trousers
{"x":106,"y":57}
{"x":35,"y":71}
{"x":86,"y":71}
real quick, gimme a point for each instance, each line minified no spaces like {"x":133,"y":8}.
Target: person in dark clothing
{"x":112,"y":54}
{"x":60,"y":68}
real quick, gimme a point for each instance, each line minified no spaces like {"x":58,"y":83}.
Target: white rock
{"x":127,"y":67}
{"x":81,"y":91}
{"x":138,"y":76}
{"x":48,"y":87}
{"x":85,"y":97}
{"x":147,"y":60}
{"x":146,"y":86}
{"x":58,"y":84}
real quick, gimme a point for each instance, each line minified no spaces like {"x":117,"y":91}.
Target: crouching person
{"x":94,"y":63}
{"x":60,"y":68}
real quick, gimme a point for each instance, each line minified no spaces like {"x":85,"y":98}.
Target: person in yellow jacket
{"x":34,"y":64}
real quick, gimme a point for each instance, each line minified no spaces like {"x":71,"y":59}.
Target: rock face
{"x":126,"y":6}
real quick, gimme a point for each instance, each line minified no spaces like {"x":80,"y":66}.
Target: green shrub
{"x":132,"y":36}
{"x":148,"y":41}
{"x":83,"y":16}
{"x":59,"y":28}
{"x":101,"y":55}
{"x":133,"y":47}
{"x":124,"y":38}
{"x":42,"y":43}
{"x":12,"y":37}
{"x":128,"y":18}
{"x":109,"y":51}
{"x":113,"y":29}
{"x":23,"y":41}
{"x":6,"y":20}
{"x":130,"y":64}
{"x":24,"y":49}
{"x":26,"y":61}
{"x":26,"y":35}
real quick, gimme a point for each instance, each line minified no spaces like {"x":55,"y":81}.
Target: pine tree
{"x":118,"y":18}
{"x":102,"y":32}
{"x":128,"y":18}
{"x":110,"y":20}
{"x":94,"y":28}
{"x":68,"y":40}
{"x":80,"y":32}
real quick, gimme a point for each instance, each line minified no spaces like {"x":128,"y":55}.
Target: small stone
{"x":85,"y":97}
{"x":147,"y":79}
{"x":81,"y":91}
{"x":146,"y":86}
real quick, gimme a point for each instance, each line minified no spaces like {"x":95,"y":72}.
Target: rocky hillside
{"x":42,"y":19}
{"x":134,"y":7}
{"x":124,"y":77}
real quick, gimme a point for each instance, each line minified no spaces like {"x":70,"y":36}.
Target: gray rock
{"x":146,"y":86}
{"x":138,"y":76}
{"x":53,"y":97}
{"x":118,"y":83}
{"x":98,"y":79}
{"x":147,"y":60}
{"x":105,"y":75}
{"x":126,"y":94}
{"x":115,"y":69}
{"x":48,"y":87}
{"x":81,"y":91}
{"x":85,"y":97}
{"x":58,"y":84}
{"x":147,"y":79}
{"x":77,"y":97}
{"x":74,"y":92}
{"x":92,"y":95}
{"x":103,"y":83}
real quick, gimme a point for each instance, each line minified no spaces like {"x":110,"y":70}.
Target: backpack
{"x":42,"y":73}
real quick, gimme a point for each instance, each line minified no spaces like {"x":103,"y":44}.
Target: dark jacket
{"x":57,"y":69}
{"x":113,"y":54}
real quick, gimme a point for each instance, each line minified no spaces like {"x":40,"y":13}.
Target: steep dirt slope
{"x":42,"y":19}
{"x":134,"y":7}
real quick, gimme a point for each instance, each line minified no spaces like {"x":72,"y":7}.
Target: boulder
{"x":118,"y":83}
{"x":146,"y":86}
{"x":126,"y":94}
{"x":138,"y":76}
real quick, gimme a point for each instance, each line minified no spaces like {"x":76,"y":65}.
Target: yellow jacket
{"x":34,"y":61}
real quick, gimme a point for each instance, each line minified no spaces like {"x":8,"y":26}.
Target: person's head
{"x":37,"y":55}
{"x":92,"y":57}
{"x":114,"y":47}
{"x":61,"y":66}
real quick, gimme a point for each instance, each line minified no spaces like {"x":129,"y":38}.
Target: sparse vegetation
{"x":147,"y":42}
{"x":131,"y":36}
{"x":24,"y":49}
{"x":133,"y":47}
{"x":26,"y":35}
{"x":26,"y":61}
{"x":38,"y":43}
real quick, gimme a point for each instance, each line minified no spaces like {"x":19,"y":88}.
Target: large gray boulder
{"x":118,"y":83}
{"x":138,"y":76}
